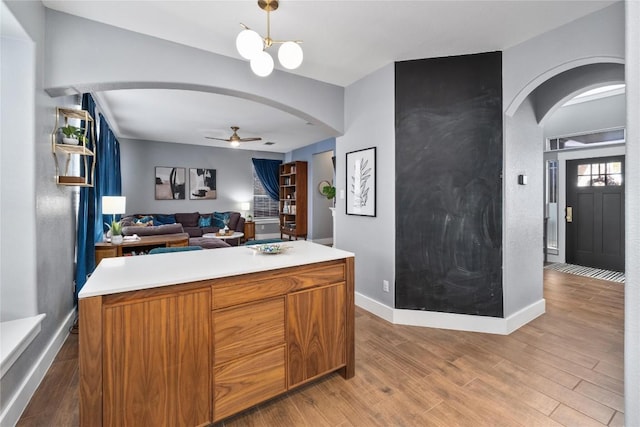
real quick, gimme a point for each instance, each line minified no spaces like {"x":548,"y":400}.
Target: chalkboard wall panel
{"x":448,"y":184}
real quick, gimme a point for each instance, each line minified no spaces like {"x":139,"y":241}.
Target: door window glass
{"x":600,"y":174}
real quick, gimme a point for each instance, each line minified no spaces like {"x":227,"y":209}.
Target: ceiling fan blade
{"x":218,"y":139}
{"x":249,"y":139}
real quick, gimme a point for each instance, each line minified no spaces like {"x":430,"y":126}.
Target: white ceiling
{"x":343,"y":42}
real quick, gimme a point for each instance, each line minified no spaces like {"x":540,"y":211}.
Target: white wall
{"x":370,"y":122}
{"x":234,"y":175}
{"x":17,"y":174}
{"x":522,"y":212}
{"x":47,"y":226}
{"x":632,"y":220}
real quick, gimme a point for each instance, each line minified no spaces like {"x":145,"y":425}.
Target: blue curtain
{"x":268,"y":172}
{"x":106,"y":182}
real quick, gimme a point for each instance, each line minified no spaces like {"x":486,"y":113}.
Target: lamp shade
{"x":262,"y":64}
{"x":114,"y":205}
{"x":245,"y":206}
{"x":290,"y":55}
{"x":249,"y":44}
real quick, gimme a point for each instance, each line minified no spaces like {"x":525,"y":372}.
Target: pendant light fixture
{"x":253,"y":46}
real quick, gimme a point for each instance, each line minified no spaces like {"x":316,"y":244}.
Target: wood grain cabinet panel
{"x":248,"y":381}
{"x":157,"y":362}
{"x":316,"y":332}
{"x":248,"y":329}
{"x":239,"y":290}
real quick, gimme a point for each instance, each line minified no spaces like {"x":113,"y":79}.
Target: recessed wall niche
{"x":448,"y":184}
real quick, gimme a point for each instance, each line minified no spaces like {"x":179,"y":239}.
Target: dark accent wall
{"x":448,"y":184}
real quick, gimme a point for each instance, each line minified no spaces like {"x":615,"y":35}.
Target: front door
{"x":595,"y":213}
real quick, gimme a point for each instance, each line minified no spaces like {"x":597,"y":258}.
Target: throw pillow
{"x":144,"y":221}
{"x":218,"y":219}
{"x":161,"y":219}
{"x":204,"y":221}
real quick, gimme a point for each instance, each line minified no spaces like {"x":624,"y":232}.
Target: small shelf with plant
{"x":68,"y":140}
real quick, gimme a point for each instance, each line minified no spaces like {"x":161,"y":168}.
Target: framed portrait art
{"x":170,"y":183}
{"x":361,"y":182}
{"x":202,"y":184}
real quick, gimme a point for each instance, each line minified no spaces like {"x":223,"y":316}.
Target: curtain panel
{"x":107,"y":182}
{"x":268,"y":172}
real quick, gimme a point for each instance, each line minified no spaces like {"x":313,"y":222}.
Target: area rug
{"x":596,"y":273}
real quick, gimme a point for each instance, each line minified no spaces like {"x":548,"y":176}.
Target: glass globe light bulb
{"x":290,"y":55}
{"x":262,"y":64}
{"x":235,"y":144}
{"x":249,"y":43}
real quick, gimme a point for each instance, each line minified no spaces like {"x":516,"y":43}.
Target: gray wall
{"x":48,"y":221}
{"x":148,"y":62}
{"x":523,"y":235}
{"x":369,"y":118}
{"x":233,"y":174}
{"x":595,"y":115}
{"x":322,"y":170}
{"x":632,"y":285}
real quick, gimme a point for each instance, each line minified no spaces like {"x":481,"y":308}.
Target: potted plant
{"x":115,"y":230}
{"x":329,"y":192}
{"x":72,"y":135}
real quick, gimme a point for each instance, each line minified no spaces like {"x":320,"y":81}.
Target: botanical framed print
{"x":170,"y":183}
{"x":202,"y":184}
{"x":361,"y":182}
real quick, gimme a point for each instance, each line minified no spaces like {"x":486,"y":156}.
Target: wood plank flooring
{"x":564,"y":368}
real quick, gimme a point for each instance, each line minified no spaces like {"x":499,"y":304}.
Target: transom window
{"x":600,"y":174}
{"x":612,"y":136}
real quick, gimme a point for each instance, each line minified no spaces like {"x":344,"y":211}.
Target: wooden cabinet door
{"x":157,"y":360}
{"x":316,"y":332}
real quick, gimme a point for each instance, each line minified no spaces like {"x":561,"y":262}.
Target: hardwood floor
{"x":564,"y":368}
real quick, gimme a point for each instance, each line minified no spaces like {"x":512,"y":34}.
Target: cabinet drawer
{"x":248,"y":381}
{"x":243,"y":289}
{"x":247,"y":329}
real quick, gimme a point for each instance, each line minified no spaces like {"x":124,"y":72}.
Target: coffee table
{"x":236,"y":235}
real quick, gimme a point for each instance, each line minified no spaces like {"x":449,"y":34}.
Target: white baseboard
{"x":23,"y":394}
{"x":374,"y":307}
{"x":526,"y":315}
{"x":459,"y":322}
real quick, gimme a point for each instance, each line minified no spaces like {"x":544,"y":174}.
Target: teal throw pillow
{"x":204,"y":221}
{"x":219,"y":219}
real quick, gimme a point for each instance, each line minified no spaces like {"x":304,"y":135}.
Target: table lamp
{"x":245,"y":206}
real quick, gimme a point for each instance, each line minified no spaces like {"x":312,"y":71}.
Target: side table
{"x":249,"y":230}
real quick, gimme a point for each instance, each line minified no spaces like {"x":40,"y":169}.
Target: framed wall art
{"x":361,"y":182}
{"x":202,"y":184}
{"x":170,"y":183}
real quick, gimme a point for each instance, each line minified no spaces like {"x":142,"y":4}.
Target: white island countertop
{"x":124,"y":274}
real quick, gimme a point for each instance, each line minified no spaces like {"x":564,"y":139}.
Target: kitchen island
{"x":191,"y":338}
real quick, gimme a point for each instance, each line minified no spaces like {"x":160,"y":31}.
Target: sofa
{"x":195,"y":224}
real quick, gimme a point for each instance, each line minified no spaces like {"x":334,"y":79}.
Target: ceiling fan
{"x":235,"y":140}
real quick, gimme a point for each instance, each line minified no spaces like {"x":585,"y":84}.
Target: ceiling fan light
{"x":249,"y":43}
{"x":262,"y":64}
{"x":235,"y":144}
{"x":290,"y":55}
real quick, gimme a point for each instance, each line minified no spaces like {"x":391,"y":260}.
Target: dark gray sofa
{"x":194,"y":223}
